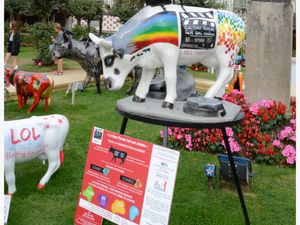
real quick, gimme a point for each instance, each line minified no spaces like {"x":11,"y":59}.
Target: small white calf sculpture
{"x":169,"y":36}
{"x":39,"y":137}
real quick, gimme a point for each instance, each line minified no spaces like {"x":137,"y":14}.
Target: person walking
{"x":13,"y":47}
{"x":59,"y":37}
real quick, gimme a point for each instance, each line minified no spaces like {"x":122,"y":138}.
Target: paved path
{"x":63,"y":81}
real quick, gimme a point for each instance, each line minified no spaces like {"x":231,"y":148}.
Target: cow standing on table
{"x":39,"y":137}
{"x":167,"y":36}
{"x":27,"y":84}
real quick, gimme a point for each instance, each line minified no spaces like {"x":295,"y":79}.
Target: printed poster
{"x":127,"y":181}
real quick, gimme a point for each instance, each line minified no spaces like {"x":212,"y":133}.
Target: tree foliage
{"x":16,"y":8}
{"x":86,"y":9}
{"x":125,"y":9}
{"x":44,"y":8}
{"x":40,"y":34}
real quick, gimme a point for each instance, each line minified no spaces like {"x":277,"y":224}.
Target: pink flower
{"x":161,"y":133}
{"x":188,"y":138}
{"x":170,"y":132}
{"x":290,"y":153}
{"x":229,"y":131}
{"x":285,"y":152}
{"x":290,"y":160}
{"x":179,"y":136}
{"x":234,"y":146}
{"x":277,"y":143}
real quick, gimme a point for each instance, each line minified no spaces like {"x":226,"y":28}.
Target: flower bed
{"x":267,"y":134}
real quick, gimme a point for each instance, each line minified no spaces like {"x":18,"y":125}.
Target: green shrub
{"x":40,"y":36}
{"x":26,"y":39}
{"x":82,"y":31}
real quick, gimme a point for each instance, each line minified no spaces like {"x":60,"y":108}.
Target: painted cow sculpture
{"x":167,"y":36}
{"x":27,"y":84}
{"x":87,"y":55}
{"x":39,"y":137}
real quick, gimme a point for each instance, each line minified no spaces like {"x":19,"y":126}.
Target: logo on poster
{"x":97,"y":136}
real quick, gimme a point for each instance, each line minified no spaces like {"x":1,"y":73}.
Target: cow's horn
{"x":100,"y":41}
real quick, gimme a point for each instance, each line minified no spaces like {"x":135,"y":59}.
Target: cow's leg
{"x":20,"y":102}
{"x":97,"y":79}
{"x":137,"y":72}
{"x":143,"y":87}
{"x":86,"y":81}
{"x":9,"y":168}
{"x":35,"y":102}
{"x":225,"y":72}
{"x":47,"y":101}
{"x":53,"y":165}
{"x":225,"y":75}
{"x":25,"y":99}
{"x":171,"y":80}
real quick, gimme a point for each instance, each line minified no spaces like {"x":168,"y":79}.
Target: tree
{"x":86,"y":9}
{"x":15,"y":8}
{"x":44,"y":8}
{"x":125,"y":9}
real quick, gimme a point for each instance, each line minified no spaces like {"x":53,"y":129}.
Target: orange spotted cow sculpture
{"x":27,"y":84}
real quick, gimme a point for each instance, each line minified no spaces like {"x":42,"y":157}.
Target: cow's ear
{"x":119,"y":52}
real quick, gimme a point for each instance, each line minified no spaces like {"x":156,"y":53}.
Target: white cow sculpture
{"x":167,"y":36}
{"x":39,"y":137}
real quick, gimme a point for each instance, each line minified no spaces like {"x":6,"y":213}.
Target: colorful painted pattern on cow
{"x":161,"y":27}
{"x":231,"y":30}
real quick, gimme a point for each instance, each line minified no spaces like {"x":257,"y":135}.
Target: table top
{"x":151,"y":111}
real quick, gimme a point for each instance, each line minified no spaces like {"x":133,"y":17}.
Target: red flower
{"x":266,"y":117}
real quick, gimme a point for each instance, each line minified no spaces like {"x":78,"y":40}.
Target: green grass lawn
{"x":271,"y":201}
{"x":25,"y":62}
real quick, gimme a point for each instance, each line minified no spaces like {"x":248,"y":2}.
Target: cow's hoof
{"x":167,"y":105}
{"x":40,"y":186}
{"x":138,"y":99}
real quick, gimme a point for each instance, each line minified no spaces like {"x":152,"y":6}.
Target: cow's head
{"x":63,"y":48}
{"x":9,"y":75}
{"x":116,"y":64}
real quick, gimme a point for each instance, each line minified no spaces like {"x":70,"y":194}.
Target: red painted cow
{"x":27,"y":84}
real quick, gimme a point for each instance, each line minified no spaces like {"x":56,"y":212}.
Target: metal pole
{"x":235,"y":177}
{"x":165,"y":136}
{"x":123,"y":127}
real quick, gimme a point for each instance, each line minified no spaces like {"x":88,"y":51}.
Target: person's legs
{"x":14,"y":58}
{"x":8,"y":54}
{"x":60,"y":66}
{"x":56,"y":62}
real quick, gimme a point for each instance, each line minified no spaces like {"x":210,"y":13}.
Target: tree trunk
{"x":11,"y":16}
{"x":78,"y":20}
{"x":100,"y":25}
{"x":89,"y":25}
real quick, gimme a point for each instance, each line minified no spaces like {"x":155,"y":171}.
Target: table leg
{"x":123,"y":127}
{"x":235,"y":177}
{"x":165,"y":136}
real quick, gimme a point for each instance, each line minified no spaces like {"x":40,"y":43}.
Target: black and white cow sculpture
{"x":167,"y":36}
{"x":87,"y":55}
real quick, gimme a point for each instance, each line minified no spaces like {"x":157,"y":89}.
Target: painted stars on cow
{"x":60,"y":121}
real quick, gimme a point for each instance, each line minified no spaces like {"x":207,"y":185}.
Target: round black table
{"x":152,"y":112}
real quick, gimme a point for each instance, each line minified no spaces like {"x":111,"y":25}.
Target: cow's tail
{"x":61,"y":156}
